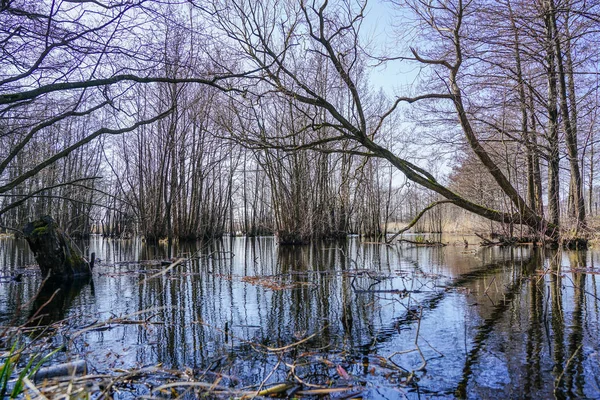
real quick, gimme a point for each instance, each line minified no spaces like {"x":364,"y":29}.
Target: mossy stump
{"x":53,"y":250}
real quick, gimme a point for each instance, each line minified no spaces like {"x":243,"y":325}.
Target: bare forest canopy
{"x":193,"y":118}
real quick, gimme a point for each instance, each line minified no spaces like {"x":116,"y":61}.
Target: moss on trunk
{"x":54,"y":251}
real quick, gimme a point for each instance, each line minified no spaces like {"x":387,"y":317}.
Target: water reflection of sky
{"x":493,"y":324}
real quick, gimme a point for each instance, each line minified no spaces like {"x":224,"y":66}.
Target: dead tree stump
{"x":53,"y":250}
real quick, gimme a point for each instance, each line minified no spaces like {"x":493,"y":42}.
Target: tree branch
{"x":417,"y":218}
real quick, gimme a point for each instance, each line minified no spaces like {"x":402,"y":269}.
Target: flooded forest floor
{"x":244,"y":317}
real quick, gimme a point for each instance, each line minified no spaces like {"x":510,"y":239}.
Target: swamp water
{"x":351,"y":319}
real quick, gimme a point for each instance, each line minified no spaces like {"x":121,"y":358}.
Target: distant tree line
{"x":253,"y":117}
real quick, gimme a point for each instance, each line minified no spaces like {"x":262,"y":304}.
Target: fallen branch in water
{"x":415,"y":349}
{"x":164,"y":271}
{"x":487,"y":242}
{"x":126,"y":320}
{"x":65,"y":369}
{"x":289,"y":346}
{"x":426,"y":242}
{"x":262,"y":346}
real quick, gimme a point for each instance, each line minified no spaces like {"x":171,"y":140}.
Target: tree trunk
{"x":569,"y":120}
{"x":530,"y":149}
{"x":591,"y":181}
{"x":554,"y":156}
{"x":537,"y":173}
{"x":53,"y":250}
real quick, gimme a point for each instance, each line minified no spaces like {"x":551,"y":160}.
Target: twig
{"x":122,"y":320}
{"x":289,"y":346}
{"x":31,"y":386}
{"x":490,"y":284}
{"x":203,"y":385}
{"x":164,"y":271}
{"x":557,"y":381}
{"x":292,"y":368}
{"x":264,"y":381}
{"x":274,"y":389}
{"x":417,"y":348}
{"x":320,"y":392}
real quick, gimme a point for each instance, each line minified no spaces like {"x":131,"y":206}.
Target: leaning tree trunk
{"x":53,"y":250}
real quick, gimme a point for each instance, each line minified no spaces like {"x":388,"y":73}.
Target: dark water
{"x":490,"y":323}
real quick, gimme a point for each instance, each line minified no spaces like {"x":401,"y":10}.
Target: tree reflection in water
{"x":509,"y":322}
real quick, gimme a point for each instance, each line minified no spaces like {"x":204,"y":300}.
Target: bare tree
{"x":275,"y":37}
{"x":71,"y":67}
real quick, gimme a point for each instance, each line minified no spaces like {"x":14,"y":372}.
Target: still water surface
{"x":488,"y":322}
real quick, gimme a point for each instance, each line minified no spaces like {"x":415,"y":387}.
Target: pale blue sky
{"x":381,"y":30}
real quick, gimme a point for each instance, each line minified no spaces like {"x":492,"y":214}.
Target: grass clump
{"x":420,"y":239}
{"x":10,"y":365}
